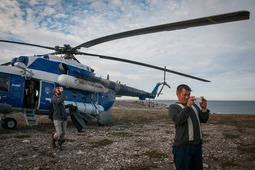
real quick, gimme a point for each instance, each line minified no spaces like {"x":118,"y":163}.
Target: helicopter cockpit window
{"x":14,"y":61}
{"x":63,"y":68}
{"x":23,"y":59}
{"x":4,"y":83}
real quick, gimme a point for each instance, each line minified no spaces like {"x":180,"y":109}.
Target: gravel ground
{"x":139,"y":138}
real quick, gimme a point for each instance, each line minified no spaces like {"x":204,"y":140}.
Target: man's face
{"x":183,"y":97}
{"x":57,"y":92}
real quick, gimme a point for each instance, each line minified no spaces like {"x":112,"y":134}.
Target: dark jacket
{"x":59,"y":108}
{"x":187,"y":123}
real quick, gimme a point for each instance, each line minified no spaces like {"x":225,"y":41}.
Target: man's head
{"x":183,"y":93}
{"x":56,"y":91}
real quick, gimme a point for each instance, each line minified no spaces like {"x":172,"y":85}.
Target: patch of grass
{"x":45,"y":154}
{"x":139,"y":141}
{"x":205,"y":135}
{"x":103,"y":142}
{"x":35,"y":148}
{"x":81,"y":134}
{"x":206,"y":140}
{"x":139,"y":116}
{"x":238,"y":120}
{"x":122,"y":134}
{"x":140,"y":131}
{"x":251,"y":159}
{"x":248,"y":148}
{"x":70,"y":140}
{"x":140,"y":167}
{"x":228,"y":164}
{"x":155,"y":154}
{"x":215,"y":158}
{"x":22,"y":136}
{"x":231,"y":136}
{"x":4,"y":131}
{"x":169,"y":132}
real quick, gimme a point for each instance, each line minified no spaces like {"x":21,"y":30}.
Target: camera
{"x":198,"y":99}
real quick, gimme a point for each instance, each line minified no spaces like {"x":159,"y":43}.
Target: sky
{"x":222,"y":53}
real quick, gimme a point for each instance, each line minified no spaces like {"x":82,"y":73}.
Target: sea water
{"x":224,"y":107}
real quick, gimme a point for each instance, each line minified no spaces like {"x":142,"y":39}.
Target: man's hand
{"x":60,"y":89}
{"x":191,"y":101}
{"x":203,"y":105}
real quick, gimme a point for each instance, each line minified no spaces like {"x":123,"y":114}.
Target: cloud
{"x":221,"y":53}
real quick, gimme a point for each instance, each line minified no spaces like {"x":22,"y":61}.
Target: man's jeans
{"x":60,"y":127}
{"x":188,"y":157}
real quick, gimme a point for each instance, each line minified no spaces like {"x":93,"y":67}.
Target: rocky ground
{"x":139,"y":138}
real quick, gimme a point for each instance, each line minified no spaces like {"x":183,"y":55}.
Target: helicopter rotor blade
{"x":5,"y":64}
{"x":56,"y":49}
{"x":28,"y":44}
{"x":210,"y":20}
{"x":165,"y":75}
{"x":141,"y":64}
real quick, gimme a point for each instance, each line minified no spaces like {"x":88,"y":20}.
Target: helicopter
{"x":27,"y":82}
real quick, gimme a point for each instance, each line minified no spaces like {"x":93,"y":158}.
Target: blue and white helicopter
{"x":26,"y":82}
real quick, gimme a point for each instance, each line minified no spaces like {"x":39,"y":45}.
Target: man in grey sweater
{"x":59,"y":117}
{"x":187,"y":116}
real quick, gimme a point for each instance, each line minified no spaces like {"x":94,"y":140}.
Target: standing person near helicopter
{"x":187,"y":116}
{"x":59,"y":117}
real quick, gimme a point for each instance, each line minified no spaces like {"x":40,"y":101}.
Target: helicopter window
{"x":94,"y":96}
{"x":47,"y":90}
{"x":83,"y":96}
{"x":74,"y":94}
{"x":13,"y":61}
{"x":4,"y":83}
{"x":63,"y":68}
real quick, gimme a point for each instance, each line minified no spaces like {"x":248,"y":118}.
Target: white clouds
{"x":222,"y":53}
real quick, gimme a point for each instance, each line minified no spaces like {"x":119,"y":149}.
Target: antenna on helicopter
{"x":164,"y":83}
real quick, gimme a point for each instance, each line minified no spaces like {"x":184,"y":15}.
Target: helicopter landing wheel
{"x":9,"y":123}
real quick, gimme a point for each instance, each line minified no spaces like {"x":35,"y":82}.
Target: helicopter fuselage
{"x":28,"y":82}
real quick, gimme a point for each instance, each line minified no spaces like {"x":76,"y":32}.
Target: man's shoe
{"x":53,"y":144}
{"x":60,"y":148}
{"x":60,"y":142}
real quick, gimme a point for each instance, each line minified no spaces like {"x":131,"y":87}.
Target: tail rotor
{"x":164,"y":83}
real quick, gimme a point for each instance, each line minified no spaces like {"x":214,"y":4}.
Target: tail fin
{"x":151,"y":95}
{"x":155,"y":90}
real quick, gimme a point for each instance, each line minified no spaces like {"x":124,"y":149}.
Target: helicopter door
{"x":45,"y":94}
{"x":11,"y":89}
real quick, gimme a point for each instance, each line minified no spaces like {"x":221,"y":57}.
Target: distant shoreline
{"x":156,"y":100}
{"x":216,"y":107}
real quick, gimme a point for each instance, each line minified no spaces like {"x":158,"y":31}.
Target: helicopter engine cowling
{"x":76,"y":83}
{"x":92,"y":109}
